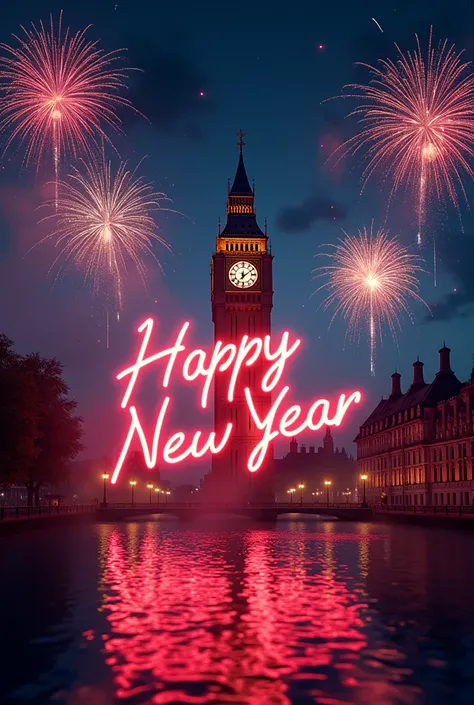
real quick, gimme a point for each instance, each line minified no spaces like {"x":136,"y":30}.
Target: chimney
{"x":444,"y":363}
{"x":311,"y":450}
{"x":418,"y":372}
{"x":396,"y":389}
{"x":293,"y":446}
{"x":302,"y":449}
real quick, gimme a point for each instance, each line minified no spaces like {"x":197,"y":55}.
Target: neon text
{"x":197,"y":365}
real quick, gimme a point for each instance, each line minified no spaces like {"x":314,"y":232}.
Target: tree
{"x":18,"y":418}
{"x":59,"y":429}
{"x":39,"y":429}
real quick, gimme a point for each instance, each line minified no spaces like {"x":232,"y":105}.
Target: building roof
{"x":444,"y":386}
{"x":241,"y":186}
{"x":239,"y":225}
{"x":241,"y":216}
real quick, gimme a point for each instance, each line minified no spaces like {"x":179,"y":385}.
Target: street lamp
{"x":166,"y":495}
{"x":328,"y":485}
{"x":132,"y":485}
{"x":290,"y":492}
{"x":364,"y":480}
{"x":150,"y":487}
{"x":157,"y":489}
{"x":301,"y":488}
{"x":105,"y":477}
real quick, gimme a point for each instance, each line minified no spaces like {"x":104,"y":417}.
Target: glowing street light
{"x":364,"y":480}
{"x":132,"y":485}
{"x":157,"y":489}
{"x":301,"y":487}
{"x":150,"y":487}
{"x":167,"y":493}
{"x":105,"y":477}
{"x":328,"y":485}
{"x":290,"y":492}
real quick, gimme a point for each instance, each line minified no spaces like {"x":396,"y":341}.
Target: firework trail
{"x":58,"y":91}
{"x":417,"y":122}
{"x":104,"y":222}
{"x":370,"y":279}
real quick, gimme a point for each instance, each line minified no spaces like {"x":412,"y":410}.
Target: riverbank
{"x":453,"y":517}
{"x":20,"y":522}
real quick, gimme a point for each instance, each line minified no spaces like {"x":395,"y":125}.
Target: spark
{"x":374,"y":20}
{"x":58,"y":92}
{"x":417,"y":123}
{"x":103,"y":223}
{"x":370,"y":279}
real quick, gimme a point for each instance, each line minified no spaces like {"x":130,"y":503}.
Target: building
{"x":417,"y":447}
{"x":242,"y":300}
{"x":311,"y":468}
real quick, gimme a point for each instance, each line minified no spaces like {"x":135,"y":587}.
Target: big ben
{"x":242,"y":300}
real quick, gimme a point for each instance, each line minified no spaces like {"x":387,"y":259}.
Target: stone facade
{"x":417,"y":448}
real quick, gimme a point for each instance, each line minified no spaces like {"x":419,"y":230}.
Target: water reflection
{"x":247,"y":616}
{"x":151,"y":614}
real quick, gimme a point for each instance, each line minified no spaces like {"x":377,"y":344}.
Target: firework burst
{"x":370,"y":279}
{"x":104,"y":223}
{"x":58,"y":91}
{"x":417,"y":118}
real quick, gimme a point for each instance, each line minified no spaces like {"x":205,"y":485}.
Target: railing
{"x":228,"y":505}
{"x":44,"y":510}
{"x":438,"y":509}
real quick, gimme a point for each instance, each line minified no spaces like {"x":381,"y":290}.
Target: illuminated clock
{"x":243,"y":275}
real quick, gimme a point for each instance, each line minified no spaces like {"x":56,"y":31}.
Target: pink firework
{"x":59,"y":91}
{"x":369,"y":280}
{"x":417,"y":118}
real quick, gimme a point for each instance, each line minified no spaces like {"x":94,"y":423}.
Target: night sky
{"x":209,"y":69}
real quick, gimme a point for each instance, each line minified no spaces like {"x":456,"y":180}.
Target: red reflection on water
{"x":235,"y":617}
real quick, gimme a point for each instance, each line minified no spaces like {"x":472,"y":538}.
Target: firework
{"x":104,"y":223}
{"x":58,"y":91}
{"x":370,"y":280}
{"x":417,"y":118}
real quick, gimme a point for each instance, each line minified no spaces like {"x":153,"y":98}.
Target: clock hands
{"x":243,"y":275}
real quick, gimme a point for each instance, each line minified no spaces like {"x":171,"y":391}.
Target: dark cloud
{"x":169,"y":89}
{"x":299,"y":219}
{"x":456,"y":256}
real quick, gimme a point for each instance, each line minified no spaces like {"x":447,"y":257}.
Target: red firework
{"x":417,"y":117}
{"x":59,"y":91}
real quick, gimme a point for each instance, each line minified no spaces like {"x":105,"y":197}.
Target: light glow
{"x":231,"y":359}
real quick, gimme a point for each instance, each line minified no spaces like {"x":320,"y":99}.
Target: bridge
{"x":187,"y":511}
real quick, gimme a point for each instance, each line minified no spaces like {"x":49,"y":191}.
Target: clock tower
{"x":242,"y":300}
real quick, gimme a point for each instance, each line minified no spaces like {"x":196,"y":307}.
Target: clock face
{"x":243,"y":275}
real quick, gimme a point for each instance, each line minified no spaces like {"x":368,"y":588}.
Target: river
{"x":156,"y":612}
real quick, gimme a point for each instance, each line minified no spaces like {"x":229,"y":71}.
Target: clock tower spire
{"x":242,"y":300}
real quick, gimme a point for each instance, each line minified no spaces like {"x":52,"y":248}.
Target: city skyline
{"x":192,"y":152}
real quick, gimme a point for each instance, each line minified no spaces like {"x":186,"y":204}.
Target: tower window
{"x":256,"y":247}
{"x":227,"y":246}
{"x":246,"y":247}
